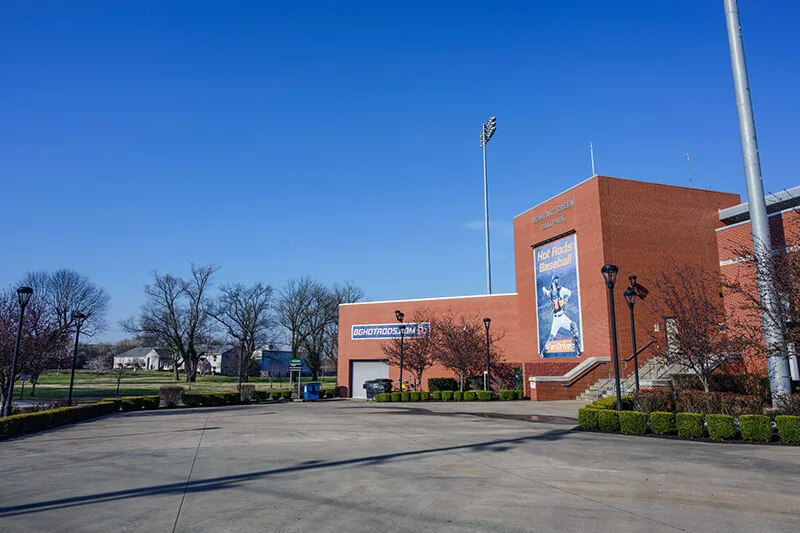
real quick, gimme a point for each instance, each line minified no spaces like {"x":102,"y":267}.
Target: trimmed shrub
{"x":587,"y":418}
{"x":260,"y":395}
{"x":608,"y":420}
{"x":447,"y":395}
{"x":116,"y":402}
{"x":788,"y":428}
{"x":458,"y":396}
{"x":633,"y":422}
{"x":286,"y":395}
{"x":424,"y":396}
{"x":507,"y":395}
{"x":131,"y":404}
{"x":382,"y":397}
{"x":756,"y":427}
{"x":397,"y":396}
{"x":405,"y":396}
{"x":247,"y":392}
{"x":721,"y":427}
{"x":663,"y":423}
{"x":192,"y":399}
{"x":649,"y":400}
{"x":172,"y":395}
{"x":328,"y":393}
{"x":275,"y":395}
{"x":231,"y":398}
{"x":520,"y":394}
{"x":690,"y":425}
{"x":693,"y":401}
{"x":437,"y":395}
{"x":150,"y":402}
{"x":611,"y":403}
{"x":442,"y":384}
{"x":470,"y":396}
{"x":16,"y":425}
{"x":485,"y":395}
{"x":414,"y":396}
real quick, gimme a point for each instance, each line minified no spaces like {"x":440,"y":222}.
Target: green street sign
{"x":295,"y":362}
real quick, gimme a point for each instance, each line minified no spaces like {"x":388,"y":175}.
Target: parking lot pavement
{"x":360,"y":466}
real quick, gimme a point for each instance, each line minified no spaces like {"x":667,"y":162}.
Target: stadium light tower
{"x":487,"y":131}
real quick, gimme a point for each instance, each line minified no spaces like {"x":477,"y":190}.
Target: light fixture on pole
{"x":78,"y":318}
{"x":23,"y":297}
{"x":399,"y":316}
{"x":610,"y":275}
{"x":487,"y":131}
{"x":487,"y":384}
{"x":630,"y":299}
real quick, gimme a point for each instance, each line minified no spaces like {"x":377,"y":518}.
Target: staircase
{"x":651,"y":371}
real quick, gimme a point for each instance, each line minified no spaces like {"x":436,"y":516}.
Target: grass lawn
{"x":140,"y":383}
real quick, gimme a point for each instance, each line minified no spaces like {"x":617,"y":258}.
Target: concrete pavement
{"x":358,"y":466}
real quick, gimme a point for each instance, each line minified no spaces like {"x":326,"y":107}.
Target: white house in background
{"x":218,"y":359}
{"x":144,"y":357}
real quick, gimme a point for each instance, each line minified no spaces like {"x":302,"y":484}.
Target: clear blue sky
{"x":340,"y":140}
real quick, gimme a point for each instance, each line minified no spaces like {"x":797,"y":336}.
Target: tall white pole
{"x":777,"y":361}
{"x":591,"y":153}
{"x":486,"y":223}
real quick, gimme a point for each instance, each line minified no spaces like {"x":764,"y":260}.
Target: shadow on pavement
{"x":223,"y":482}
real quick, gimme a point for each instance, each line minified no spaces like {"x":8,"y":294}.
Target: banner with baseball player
{"x":558,"y":309}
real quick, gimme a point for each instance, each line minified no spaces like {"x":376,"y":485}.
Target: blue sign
{"x":389,"y":331}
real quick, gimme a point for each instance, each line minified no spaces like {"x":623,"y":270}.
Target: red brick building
{"x":556,"y":325}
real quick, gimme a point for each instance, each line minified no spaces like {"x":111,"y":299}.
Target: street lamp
{"x":78,"y":318}
{"x":487,"y":384}
{"x":630,"y":299}
{"x":23,"y":296}
{"x":610,"y":275}
{"x":487,"y":131}
{"x":402,"y":328}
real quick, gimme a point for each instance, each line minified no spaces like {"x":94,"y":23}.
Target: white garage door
{"x":361,"y":371}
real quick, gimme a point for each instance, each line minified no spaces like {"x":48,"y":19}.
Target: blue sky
{"x":340,"y":140}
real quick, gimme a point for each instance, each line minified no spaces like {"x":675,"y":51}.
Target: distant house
{"x":217,"y":359}
{"x":145,"y":357}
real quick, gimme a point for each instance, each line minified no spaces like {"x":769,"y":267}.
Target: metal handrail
{"x":583,"y":373}
{"x":640,"y":350}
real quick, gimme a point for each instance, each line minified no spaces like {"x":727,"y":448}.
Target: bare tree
{"x":119,"y":372}
{"x":175,"y":314}
{"x":689,"y":304}
{"x":319,"y":317}
{"x":244,"y":313}
{"x":345,"y":293}
{"x":65,"y":291}
{"x":292,"y":310}
{"x":461,"y":345}
{"x":43,"y":344}
{"x":419,"y":350}
{"x":783,"y":268}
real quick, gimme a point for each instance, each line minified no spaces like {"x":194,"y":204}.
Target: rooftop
{"x":785,"y":199}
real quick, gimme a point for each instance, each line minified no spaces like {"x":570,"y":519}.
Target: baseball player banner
{"x":558,"y":309}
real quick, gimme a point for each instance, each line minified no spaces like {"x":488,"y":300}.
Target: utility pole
{"x":777,"y":360}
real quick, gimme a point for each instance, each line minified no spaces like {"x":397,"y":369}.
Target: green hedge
{"x":115,"y":401}
{"x":16,"y":425}
{"x":131,"y":404}
{"x":756,"y":427}
{"x":192,"y":399}
{"x":150,"y":402}
{"x":507,"y":395}
{"x":260,"y":395}
{"x":424,"y":396}
{"x":611,"y":403}
{"x":447,"y":395}
{"x":414,"y":396}
{"x":663,"y":423}
{"x":788,"y":428}
{"x":437,"y":395}
{"x":458,"y":396}
{"x":286,"y":395}
{"x":442,"y":384}
{"x":397,"y":396}
{"x":587,"y":418}
{"x":689,"y":425}
{"x":633,"y":422}
{"x":405,"y":396}
{"x":721,"y":427}
{"x":485,"y":395}
{"x":383,"y":397}
{"x":608,"y":420}
{"x":470,"y":396}
{"x":275,"y":395}
{"x":520,"y":394}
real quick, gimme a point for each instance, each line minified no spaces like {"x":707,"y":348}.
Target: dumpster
{"x":377,"y":386}
{"x":311,"y":390}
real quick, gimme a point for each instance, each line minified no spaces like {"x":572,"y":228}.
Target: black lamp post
{"x":487,"y":385}
{"x":23,"y":296}
{"x":402,"y":327}
{"x":610,"y":275}
{"x":78,"y":318}
{"x":630,"y":299}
